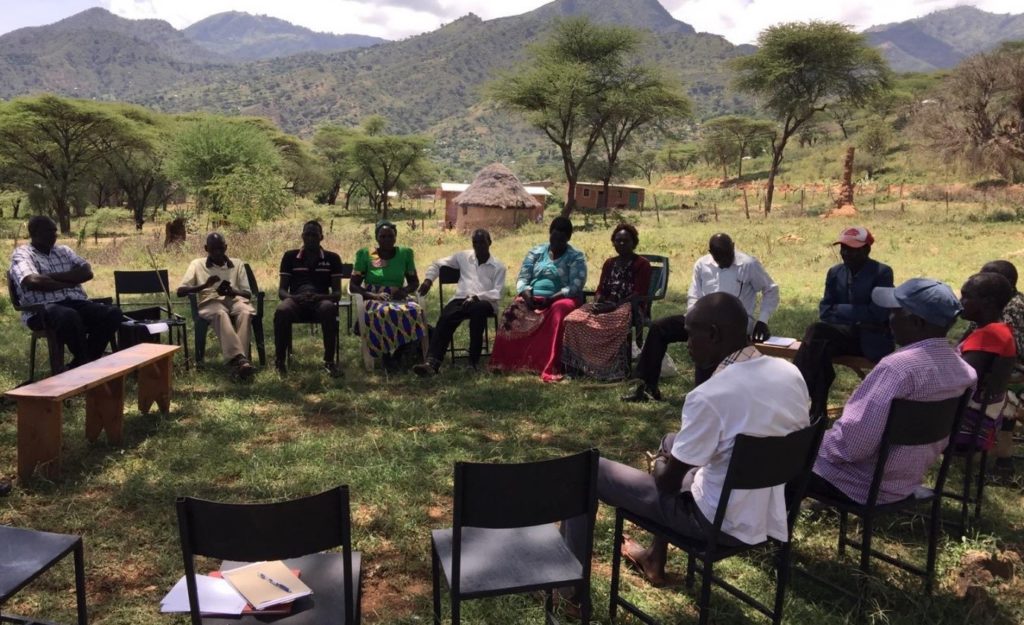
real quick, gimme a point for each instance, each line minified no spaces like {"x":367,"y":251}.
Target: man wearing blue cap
{"x":925,"y":368}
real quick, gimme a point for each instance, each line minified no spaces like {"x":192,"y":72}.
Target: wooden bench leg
{"x":39,"y":436}
{"x":155,"y":386}
{"x":104,"y":410}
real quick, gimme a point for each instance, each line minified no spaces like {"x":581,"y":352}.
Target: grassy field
{"x":394,"y":439}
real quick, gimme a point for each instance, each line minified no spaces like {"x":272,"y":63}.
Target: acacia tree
{"x":381,"y":161}
{"x":743,"y":134}
{"x":977,"y":113}
{"x":332,"y":144}
{"x":52,"y":145}
{"x":801,"y":69}
{"x":136,"y":161}
{"x":563,"y":87}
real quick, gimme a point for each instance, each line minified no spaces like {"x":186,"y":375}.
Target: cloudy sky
{"x":738,"y":20}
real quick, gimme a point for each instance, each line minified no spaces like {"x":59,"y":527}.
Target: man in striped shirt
{"x":925,"y":368}
{"x":50,"y":274}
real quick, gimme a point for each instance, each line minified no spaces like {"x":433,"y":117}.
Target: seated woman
{"x":594,"y":343}
{"x":550,"y":286}
{"x":385,"y":277}
{"x":983,"y":298}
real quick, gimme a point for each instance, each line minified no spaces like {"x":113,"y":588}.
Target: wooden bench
{"x":41,"y":404}
{"x":860,"y":365}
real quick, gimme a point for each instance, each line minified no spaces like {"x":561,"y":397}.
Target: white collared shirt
{"x":486,"y":281}
{"x":745,"y":278}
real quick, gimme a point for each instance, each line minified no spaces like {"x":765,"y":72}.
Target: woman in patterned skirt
{"x":385,"y":277}
{"x":594,"y":343}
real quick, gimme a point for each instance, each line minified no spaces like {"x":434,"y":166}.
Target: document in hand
{"x":216,"y":596}
{"x":266,"y":584}
{"x":780,"y":341}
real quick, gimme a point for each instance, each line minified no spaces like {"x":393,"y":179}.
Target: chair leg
{"x":80,"y":583}
{"x":843,"y":520}
{"x":691,"y":570}
{"x":613,"y":603}
{"x":705,"y":594}
{"x":435,"y":567}
{"x":966,"y":499}
{"x":586,"y":606}
{"x":979,"y":489}
{"x":32,"y":359}
{"x":867,"y":528}
{"x":781,"y":580}
{"x":934,"y":525}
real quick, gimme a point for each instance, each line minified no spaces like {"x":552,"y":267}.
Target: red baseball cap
{"x":857,"y":236}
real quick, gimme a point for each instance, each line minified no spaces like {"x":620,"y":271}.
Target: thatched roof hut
{"x":495,"y":199}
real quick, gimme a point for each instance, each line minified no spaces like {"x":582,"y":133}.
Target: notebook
{"x":266,"y":584}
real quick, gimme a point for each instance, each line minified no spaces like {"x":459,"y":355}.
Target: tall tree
{"x":332,"y":144}
{"x":52,"y":145}
{"x":977,"y":113}
{"x":382,"y":160}
{"x":563,"y":86}
{"x":803,"y":68}
{"x":136,"y":160}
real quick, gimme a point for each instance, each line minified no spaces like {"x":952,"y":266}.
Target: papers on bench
{"x":780,"y":341}
{"x":153,"y":327}
{"x":216,"y":596}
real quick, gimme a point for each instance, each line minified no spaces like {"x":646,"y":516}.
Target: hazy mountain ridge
{"x":942,"y":39}
{"x":244,"y":37}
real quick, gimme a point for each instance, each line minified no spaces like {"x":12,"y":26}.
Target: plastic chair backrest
{"x":446,"y":275}
{"x":144,"y":282}
{"x":251,"y":277}
{"x":659,"y":276}
{"x":521,"y":495}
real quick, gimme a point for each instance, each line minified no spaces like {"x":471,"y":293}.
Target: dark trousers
{"x":821,"y":343}
{"x":85,"y":327}
{"x":664,"y":331}
{"x":291,"y":311}
{"x":454,"y":313}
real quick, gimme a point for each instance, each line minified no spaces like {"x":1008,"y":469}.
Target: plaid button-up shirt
{"x":929,"y":370}
{"x":27,"y":260}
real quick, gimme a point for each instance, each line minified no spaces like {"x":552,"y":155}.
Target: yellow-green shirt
{"x":199,"y":271}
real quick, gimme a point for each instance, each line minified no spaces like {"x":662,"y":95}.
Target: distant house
{"x":450,"y":190}
{"x":589,"y":195}
{"x":495,"y":200}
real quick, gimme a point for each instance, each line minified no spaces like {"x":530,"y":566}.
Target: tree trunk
{"x":332,"y":195}
{"x":846,"y":191}
{"x":570,"y":200}
{"x":769,"y":189}
{"x":63,"y":217}
{"x":605,"y":183}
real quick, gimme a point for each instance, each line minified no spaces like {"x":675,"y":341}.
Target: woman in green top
{"x":385,"y":277}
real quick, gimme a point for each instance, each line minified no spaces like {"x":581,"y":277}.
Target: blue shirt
{"x":847,"y":301}
{"x":565,"y":275}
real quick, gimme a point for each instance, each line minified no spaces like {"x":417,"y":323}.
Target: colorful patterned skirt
{"x":594,"y":345}
{"x":389,"y":325}
{"x":531,"y":340}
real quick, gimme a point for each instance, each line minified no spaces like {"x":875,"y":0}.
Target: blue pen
{"x":274,"y":582}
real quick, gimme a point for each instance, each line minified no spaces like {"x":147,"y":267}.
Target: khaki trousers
{"x":231,"y":320}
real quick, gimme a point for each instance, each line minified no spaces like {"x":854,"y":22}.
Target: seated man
{"x":925,"y":368}
{"x":723,"y":270}
{"x":50,"y":274}
{"x":310,"y":288}
{"x":223,"y":292}
{"x":477,"y":296}
{"x":850,"y":324}
{"x":747,"y":394}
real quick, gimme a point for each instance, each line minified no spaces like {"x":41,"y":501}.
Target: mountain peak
{"x":645,"y":14}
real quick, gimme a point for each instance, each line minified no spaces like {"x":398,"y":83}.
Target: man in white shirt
{"x":722,"y":270}
{"x":477,"y":296}
{"x":747,"y":394}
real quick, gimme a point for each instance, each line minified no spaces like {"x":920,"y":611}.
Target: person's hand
{"x":761,"y":332}
{"x":224,"y":288}
{"x":469,"y":300}
{"x":212,"y":280}
{"x":307,"y":297}
{"x":400,"y":294}
{"x":424,"y":286}
{"x":604,"y":307}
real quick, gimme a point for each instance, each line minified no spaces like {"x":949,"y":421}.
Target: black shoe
{"x":654,"y":392}
{"x":333,"y":370}
{"x":281,"y":366}
{"x":424,"y":370}
{"x":5,"y":487}
{"x":639,"y":394}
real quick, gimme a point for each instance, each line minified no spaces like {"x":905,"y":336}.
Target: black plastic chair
{"x":153,"y":282}
{"x":910,"y":423}
{"x":503,"y":540}
{"x":200,"y":327}
{"x":451,"y":275}
{"x":643,"y":309}
{"x":991,"y":387}
{"x":26,"y":554}
{"x":756,"y":462}
{"x":54,"y":348}
{"x":295,"y":531}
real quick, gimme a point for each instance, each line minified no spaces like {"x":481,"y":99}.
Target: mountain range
{"x":237,"y":63}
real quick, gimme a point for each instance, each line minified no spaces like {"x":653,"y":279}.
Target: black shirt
{"x":313,"y":272}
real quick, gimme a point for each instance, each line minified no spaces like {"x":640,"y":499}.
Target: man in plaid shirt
{"x":50,"y":274}
{"x":925,"y":368}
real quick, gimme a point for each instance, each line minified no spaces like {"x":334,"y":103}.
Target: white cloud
{"x":740,"y":21}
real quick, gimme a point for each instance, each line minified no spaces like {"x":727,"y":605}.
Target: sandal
{"x":629,"y":548}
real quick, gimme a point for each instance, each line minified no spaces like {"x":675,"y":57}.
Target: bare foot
{"x":642,"y":559}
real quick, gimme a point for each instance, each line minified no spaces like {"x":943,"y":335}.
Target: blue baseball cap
{"x":929,"y":299}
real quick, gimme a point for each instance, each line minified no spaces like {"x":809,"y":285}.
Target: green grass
{"x":394,"y":439}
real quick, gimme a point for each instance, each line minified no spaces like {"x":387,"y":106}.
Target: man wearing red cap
{"x":850,"y":323}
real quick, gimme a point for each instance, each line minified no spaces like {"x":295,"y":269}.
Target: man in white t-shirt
{"x":747,"y":394}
